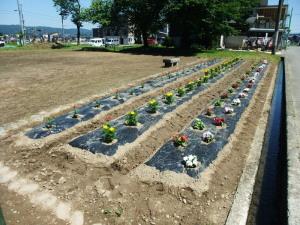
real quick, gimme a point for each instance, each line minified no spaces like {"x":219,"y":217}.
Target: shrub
{"x":108,"y":133}
{"x":153,"y":106}
{"x":198,"y":124}
{"x":131,"y":118}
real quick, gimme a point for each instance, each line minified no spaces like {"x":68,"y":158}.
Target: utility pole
{"x":275,"y":42}
{"x":21,"y":23}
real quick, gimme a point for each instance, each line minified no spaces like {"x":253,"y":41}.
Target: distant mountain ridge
{"x":14,"y":29}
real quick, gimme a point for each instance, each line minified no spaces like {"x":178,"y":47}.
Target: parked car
{"x":112,"y":41}
{"x":97,"y":42}
{"x":151,"y":41}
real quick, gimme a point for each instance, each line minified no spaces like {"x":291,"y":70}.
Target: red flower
{"x":218,"y":121}
{"x":184,"y":138}
{"x":224,"y":95}
{"x":235,"y":86}
{"x":108,"y":118}
{"x":249,"y":85}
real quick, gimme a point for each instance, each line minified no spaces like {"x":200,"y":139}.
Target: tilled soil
{"x":110,"y":196}
{"x":32,"y":81}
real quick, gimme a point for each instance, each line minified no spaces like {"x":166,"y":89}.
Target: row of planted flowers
{"x":88,"y":111}
{"x":109,"y":132}
{"x":127,"y":128}
{"x":198,"y":145}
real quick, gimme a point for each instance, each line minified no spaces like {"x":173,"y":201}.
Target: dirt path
{"x":32,"y":81}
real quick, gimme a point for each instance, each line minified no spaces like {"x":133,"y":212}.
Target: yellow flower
{"x":206,"y":71}
{"x":132,"y":113}
{"x":105,"y":127}
{"x":169,"y":94}
{"x":112,"y":129}
{"x":153,"y":101}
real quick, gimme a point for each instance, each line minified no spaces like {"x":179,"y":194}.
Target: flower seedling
{"x":218,"y":103}
{"x":131,"y":91}
{"x":108,"y":133}
{"x":131,"y":118}
{"x":169,"y":97}
{"x":205,"y":79}
{"x":249,"y":85}
{"x":190,"y":86}
{"x":180,"y":92}
{"x":230,"y":90}
{"x":116,"y":95}
{"x":236,"y":102}
{"x":218,"y":121}
{"x":252,"y":80}
{"x":153,"y":106}
{"x":235,"y":86}
{"x":75,"y":113}
{"x":228,"y":110}
{"x":207,"y":137}
{"x":181,"y":140}
{"x":143,"y":85}
{"x":224,"y":96}
{"x":49,"y":122}
{"x":209,"y":112}
{"x":199,"y":82}
{"x":190,"y":161}
{"x":242,"y":95}
{"x":97,"y":104}
{"x":198,"y":124}
{"x":206,"y":72}
{"x":246,"y":90}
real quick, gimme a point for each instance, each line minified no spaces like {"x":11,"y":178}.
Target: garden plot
{"x":198,"y":145}
{"x":127,"y":128}
{"x":90,"y":110}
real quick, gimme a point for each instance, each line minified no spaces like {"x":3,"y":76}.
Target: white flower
{"x":236,"y":101}
{"x":246,"y":90}
{"x":242,"y":95}
{"x":256,"y":74}
{"x":190,"y":161}
{"x":207,"y":136}
{"x":228,"y":109}
{"x":265,"y":61}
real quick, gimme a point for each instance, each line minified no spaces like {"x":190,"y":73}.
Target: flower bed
{"x":205,"y":145}
{"x":90,"y":110}
{"x":127,"y":134}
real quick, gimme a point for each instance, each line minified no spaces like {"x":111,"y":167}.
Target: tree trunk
{"x":78,"y":34}
{"x":145,"y":37}
{"x":62,"y":28}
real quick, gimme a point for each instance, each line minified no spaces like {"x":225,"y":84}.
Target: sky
{"x":43,"y":13}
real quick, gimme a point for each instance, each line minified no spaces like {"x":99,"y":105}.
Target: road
{"x":293,"y":132}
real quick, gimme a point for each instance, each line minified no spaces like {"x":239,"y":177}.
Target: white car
{"x":97,"y":42}
{"x":2,"y":43}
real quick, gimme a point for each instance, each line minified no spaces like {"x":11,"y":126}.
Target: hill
{"x":13,"y":29}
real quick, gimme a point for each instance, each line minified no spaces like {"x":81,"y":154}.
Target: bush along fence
{"x":198,"y":145}
{"x":127,"y":128}
{"x":90,"y":110}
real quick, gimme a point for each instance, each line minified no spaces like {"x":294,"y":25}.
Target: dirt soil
{"x":32,"y":81}
{"x":109,"y":196}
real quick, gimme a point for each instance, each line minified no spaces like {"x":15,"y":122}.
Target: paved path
{"x":293,"y":133}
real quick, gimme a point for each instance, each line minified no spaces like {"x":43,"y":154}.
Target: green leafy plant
{"x":131,"y":118}
{"x":180,"y":92}
{"x":199,"y":82}
{"x":190,"y":86}
{"x":205,"y":79}
{"x":198,"y":124}
{"x":49,"y":122}
{"x":108,"y":133}
{"x":169,"y":97}
{"x":153,"y":106}
{"x":218,"y":103}
{"x":97,"y":104}
{"x":75,"y":113}
{"x":230,"y":90}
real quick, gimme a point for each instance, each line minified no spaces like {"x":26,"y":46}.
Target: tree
{"x":63,"y":10}
{"x":99,"y":12}
{"x":73,"y":8}
{"x":145,"y":16}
